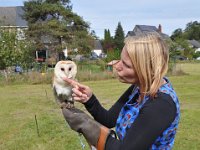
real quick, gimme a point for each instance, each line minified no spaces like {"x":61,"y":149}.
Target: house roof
{"x":97,"y":45}
{"x":12,"y":16}
{"x":194,"y":43}
{"x":131,"y":33}
{"x":147,"y":28}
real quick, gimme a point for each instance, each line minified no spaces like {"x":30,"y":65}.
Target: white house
{"x":195,"y":44}
{"x":11,"y":20}
{"x":98,"y":49}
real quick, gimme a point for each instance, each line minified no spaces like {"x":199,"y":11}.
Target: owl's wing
{"x":58,"y":98}
{"x":62,"y":97}
{"x":55,"y":94}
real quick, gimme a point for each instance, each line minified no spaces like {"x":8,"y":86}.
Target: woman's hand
{"x":81,"y":93}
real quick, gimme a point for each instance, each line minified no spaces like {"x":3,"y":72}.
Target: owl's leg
{"x":63,"y":105}
{"x":67,"y":104}
{"x":70,"y":102}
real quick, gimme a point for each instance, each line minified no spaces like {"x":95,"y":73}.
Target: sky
{"x":105,"y":14}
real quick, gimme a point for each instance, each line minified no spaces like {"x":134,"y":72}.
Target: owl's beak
{"x":70,"y":81}
{"x":70,"y":76}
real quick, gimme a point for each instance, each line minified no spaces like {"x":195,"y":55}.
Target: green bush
{"x":87,"y":71}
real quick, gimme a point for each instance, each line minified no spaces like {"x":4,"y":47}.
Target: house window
{"x":41,"y":55}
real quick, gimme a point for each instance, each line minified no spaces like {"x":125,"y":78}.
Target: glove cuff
{"x":104,"y":132}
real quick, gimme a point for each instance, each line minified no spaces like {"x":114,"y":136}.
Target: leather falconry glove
{"x":95,"y":133}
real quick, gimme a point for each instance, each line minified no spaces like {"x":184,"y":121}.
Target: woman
{"x":146,"y":116}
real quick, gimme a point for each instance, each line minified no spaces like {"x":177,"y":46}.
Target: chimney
{"x":159,"y":28}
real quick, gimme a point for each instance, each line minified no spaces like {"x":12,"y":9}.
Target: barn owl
{"x":62,"y":90}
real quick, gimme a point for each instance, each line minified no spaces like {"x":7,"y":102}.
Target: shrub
{"x":27,"y":78}
{"x":87,"y":71}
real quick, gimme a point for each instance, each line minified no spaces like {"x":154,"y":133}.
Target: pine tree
{"x":105,"y":34}
{"x":108,"y":44}
{"x":119,"y":37}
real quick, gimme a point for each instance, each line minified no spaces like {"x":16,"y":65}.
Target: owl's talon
{"x":67,"y":105}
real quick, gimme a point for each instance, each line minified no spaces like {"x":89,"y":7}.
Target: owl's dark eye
{"x":70,"y":69}
{"x":62,"y":69}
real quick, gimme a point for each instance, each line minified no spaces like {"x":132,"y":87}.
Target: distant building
{"x":98,"y":49}
{"x":194,"y":44}
{"x":140,"y":29}
{"x":11,"y":20}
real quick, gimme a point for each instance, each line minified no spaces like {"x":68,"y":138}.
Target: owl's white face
{"x":65,"y":69}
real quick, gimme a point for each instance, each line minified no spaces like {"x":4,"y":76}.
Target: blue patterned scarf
{"x":130,"y":111}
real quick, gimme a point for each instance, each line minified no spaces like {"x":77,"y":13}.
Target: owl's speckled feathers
{"x":62,"y":90}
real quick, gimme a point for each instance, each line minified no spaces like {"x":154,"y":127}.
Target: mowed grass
{"x":20,"y":104}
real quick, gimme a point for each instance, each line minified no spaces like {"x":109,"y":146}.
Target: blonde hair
{"x":149,"y":55}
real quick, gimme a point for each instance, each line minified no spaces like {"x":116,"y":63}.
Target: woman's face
{"x":125,"y":70}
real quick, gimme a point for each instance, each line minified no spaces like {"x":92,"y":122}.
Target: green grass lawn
{"x":19,"y":104}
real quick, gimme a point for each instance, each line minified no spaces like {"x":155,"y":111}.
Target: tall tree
{"x":52,"y":21}
{"x":107,"y":36}
{"x":192,"y":30}
{"x":178,"y":33}
{"x":108,"y":44}
{"x":119,"y":37}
